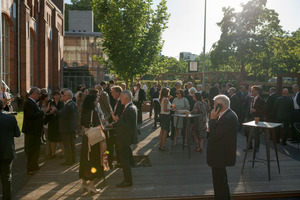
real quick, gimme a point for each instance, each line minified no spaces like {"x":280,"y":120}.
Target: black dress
{"x":87,"y":166}
{"x":53,"y":127}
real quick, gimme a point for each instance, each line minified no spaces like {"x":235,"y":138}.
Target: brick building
{"x":32,"y":44}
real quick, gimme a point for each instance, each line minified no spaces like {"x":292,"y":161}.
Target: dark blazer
{"x":173,"y":93}
{"x":33,"y":118}
{"x":126,"y":131}
{"x":270,"y":112}
{"x":9,"y":129}
{"x":142,"y":96}
{"x":283,"y":108}
{"x":222,"y":141}
{"x":298,"y":98}
{"x":68,"y":118}
{"x":259,"y":106}
{"x":105,"y":103}
{"x":235,"y":104}
{"x":119,"y":109}
{"x":151,"y":92}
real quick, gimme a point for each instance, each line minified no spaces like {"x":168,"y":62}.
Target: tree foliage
{"x":253,"y":41}
{"x":132,"y":33}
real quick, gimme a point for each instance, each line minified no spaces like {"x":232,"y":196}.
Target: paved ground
{"x":169,"y":177}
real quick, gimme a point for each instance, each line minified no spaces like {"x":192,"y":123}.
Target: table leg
{"x":177,"y":119}
{"x":247,"y":149}
{"x":187,"y":136}
{"x":267,"y":138}
{"x":255,"y":146}
{"x":275,"y":147}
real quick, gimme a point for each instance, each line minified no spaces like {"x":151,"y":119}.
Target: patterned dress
{"x":199,"y":125}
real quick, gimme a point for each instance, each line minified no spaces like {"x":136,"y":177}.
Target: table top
{"x":184,"y":115}
{"x":262,"y":124}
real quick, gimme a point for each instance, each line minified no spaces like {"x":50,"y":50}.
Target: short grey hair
{"x":222,"y":99}
{"x":232,"y":89}
{"x":177,"y":83}
{"x":192,"y":90}
{"x":99,"y":87}
{"x":199,"y":85}
{"x":273,"y":89}
{"x":128,"y":94}
{"x":296,"y":86}
{"x":68,"y":91}
{"x":33,"y":90}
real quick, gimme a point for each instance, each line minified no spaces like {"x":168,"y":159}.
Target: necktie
{"x":115,"y":109}
{"x":252,"y":102}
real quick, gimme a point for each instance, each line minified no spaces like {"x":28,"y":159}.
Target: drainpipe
{"x":19,"y":59}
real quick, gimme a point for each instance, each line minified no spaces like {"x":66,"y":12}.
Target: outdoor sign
{"x":193,"y":66}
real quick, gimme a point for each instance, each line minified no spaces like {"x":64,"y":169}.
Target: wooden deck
{"x":172,"y":176}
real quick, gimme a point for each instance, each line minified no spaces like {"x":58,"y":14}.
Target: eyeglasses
{"x":177,"y":92}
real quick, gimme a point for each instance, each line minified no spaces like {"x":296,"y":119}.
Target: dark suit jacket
{"x":119,"y":109}
{"x":126,"y":132}
{"x":298,"y":98}
{"x":68,"y":118}
{"x":142,"y":96}
{"x":173,"y":93}
{"x":33,"y":118}
{"x":105,"y":104}
{"x":235,"y":104}
{"x":222,"y":139}
{"x":151,"y":92}
{"x":259,"y":106}
{"x":283,"y":107}
{"x":8,"y":130}
{"x":270,"y":112}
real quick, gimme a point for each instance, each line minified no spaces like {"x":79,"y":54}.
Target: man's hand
{"x":116,"y":118}
{"x":214,"y":114}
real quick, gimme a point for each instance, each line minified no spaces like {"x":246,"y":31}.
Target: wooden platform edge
{"x":242,"y":196}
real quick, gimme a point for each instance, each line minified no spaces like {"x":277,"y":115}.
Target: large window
{"x":5,"y":51}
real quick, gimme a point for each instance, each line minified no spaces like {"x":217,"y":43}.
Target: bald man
{"x":283,"y":108}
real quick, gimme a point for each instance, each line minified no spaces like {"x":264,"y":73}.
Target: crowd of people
{"x":246,"y":102}
{"x":64,"y":116}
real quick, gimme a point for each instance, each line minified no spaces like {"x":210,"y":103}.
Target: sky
{"x":185,"y":32}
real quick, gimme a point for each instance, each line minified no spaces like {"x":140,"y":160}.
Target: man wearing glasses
{"x":32,"y":128}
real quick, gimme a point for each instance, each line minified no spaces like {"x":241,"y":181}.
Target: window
{"x":31,"y":59}
{"x":5,"y":51}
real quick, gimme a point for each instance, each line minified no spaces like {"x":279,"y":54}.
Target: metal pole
{"x":204,"y":42}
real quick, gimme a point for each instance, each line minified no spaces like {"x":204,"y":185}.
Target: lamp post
{"x":204,"y":41}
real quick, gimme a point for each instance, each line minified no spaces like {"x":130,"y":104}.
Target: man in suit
{"x":257,"y":107}
{"x":296,"y":112}
{"x":244,"y":104}
{"x":235,"y":105}
{"x":111,"y":140}
{"x":151,"y":93}
{"x":270,"y":111}
{"x":126,"y":134}
{"x":104,"y":102}
{"x":221,"y":144}
{"x":9,"y":129}
{"x":32,"y":128}
{"x":68,"y":118}
{"x":112,"y":101}
{"x":138,"y":99}
{"x":283,"y":108}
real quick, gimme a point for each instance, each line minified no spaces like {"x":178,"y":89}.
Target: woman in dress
{"x":54,"y":136}
{"x":165,"y":107}
{"x":179,"y":103}
{"x":199,"y":124}
{"x":90,"y":166}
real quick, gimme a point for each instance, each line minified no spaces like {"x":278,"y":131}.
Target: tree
{"x":244,"y":42}
{"x":132,"y":33}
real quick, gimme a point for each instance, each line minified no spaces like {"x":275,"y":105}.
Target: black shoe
{"x":66,"y":163}
{"x":124,"y":184}
{"x":283,"y":143}
{"x":249,"y":149}
{"x":30,"y":173}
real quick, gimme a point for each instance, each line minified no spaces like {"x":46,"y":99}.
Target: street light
{"x":204,"y":41}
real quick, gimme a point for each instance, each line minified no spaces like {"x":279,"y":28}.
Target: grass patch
{"x":19,"y":118}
